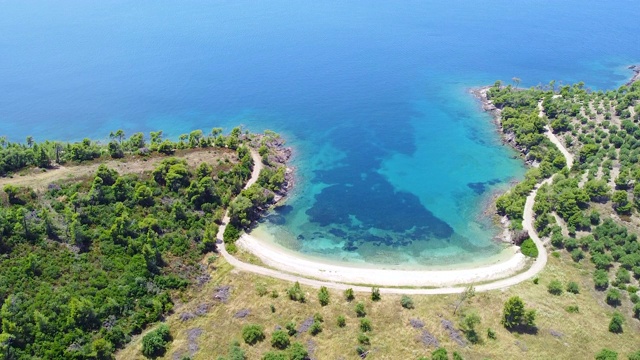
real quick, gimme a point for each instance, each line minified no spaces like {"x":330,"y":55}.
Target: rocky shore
{"x":636,"y":74}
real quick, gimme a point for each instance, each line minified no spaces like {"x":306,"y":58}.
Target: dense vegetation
{"x":89,"y":262}
{"x":591,"y":210}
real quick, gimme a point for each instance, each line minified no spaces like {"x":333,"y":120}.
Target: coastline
{"x":510,"y":262}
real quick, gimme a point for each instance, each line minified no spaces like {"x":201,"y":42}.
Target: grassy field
{"x":560,"y":335}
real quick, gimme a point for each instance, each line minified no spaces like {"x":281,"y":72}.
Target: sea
{"x":395,"y":163}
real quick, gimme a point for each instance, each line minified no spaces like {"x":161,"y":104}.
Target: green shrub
{"x":606,"y":354}
{"x":601,"y":279}
{"x":614,"y":298}
{"x":154,"y":343}
{"x":514,"y":314}
{"x":342,"y":322}
{"x":491,"y":334}
{"x":261,"y":288}
{"x":536,"y":280}
{"x":634,"y":356}
{"x":323,"y":296}
{"x":318,"y":317}
{"x":572,"y":309}
{"x":348,"y":294}
{"x":573,"y":287}
{"x":295,"y":293}
{"x":529,"y":248}
{"x":636,"y":311}
{"x":297,"y":351}
{"x":406,"y":302}
{"x":271,"y":355}
{"x":315,"y":328}
{"x":457,"y":356}
{"x":363,"y":339}
{"x":440,"y":354}
{"x":291,"y":328}
{"x":375,"y":294}
{"x":617,"y":320}
{"x":252,"y":334}
{"x":577,"y":255}
{"x":360,"y":312}
{"x":555,"y":287}
{"x":280,"y":339}
{"x":365,"y":325}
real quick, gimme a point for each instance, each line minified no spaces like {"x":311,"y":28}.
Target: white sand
{"x":286,"y":260}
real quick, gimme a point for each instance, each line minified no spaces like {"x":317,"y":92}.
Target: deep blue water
{"x":394,"y":159}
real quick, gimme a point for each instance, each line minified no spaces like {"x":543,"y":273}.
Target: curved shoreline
{"x":333,"y":276}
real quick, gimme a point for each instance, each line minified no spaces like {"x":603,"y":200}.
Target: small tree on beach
{"x":323,"y":296}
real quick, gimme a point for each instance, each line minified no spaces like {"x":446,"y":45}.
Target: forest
{"x":87,"y":262}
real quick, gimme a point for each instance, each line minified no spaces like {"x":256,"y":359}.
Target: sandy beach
{"x":286,"y":260}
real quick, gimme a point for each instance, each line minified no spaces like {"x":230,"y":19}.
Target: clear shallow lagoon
{"x":394,"y":159}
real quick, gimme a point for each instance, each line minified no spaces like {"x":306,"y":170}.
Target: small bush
{"x":636,"y":311}
{"x":375,"y":294}
{"x":280,"y":339}
{"x":342,"y":322}
{"x":360,"y":312}
{"x":291,"y":328}
{"x":529,"y":248}
{"x":274,"y":294}
{"x":348,"y":294}
{"x":154,"y":344}
{"x":573,"y":287}
{"x":316,"y":328}
{"x":363,"y":339}
{"x":271,"y":355}
{"x":572,"y":309}
{"x":491,"y":334}
{"x":440,"y":354}
{"x":295,"y":293}
{"x":614,"y":298}
{"x":555,"y":287}
{"x":634,"y":298}
{"x":635,"y":356}
{"x":617,"y":320}
{"x":323,"y":296}
{"x":252,"y":334}
{"x":318,"y":317}
{"x":601,"y":280}
{"x":577,"y":255}
{"x":361,"y":350}
{"x":457,"y":356}
{"x":365,"y":325}
{"x":261,"y":288}
{"x":406,"y":302}
{"x":297,"y":351}
{"x":606,"y":354}
{"x":536,"y":280}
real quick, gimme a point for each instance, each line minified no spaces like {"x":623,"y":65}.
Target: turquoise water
{"x":394,"y":159}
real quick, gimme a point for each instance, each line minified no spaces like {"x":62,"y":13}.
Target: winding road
{"x":527,"y":224}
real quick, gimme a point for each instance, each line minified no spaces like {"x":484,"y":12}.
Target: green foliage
{"x":341,"y":321}
{"x":154,"y":343}
{"x":406,"y":302}
{"x":315,"y":328}
{"x":514,"y":315}
{"x":614,"y":297}
{"x":251,"y":334}
{"x":318,"y":317}
{"x":291,"y":328}
{"x":440,"y":354}
{"x":271,"y":355}
{"x":601,"y":279}
{"x":635,"y":356}
{"x":572,"y":309}
{"x":363,"y":339}
{"x":572,"y":287}
{"x":375,"y":294}
{"x":529,"y":248}
{"x":491,"y":334}
{"x":468,"y":324}
{"x":636,"y":310}
{"x":349,"y":295}
{"x":323,"y":296}
{"x":297,"y":352}
{"x":295,"y":293}
{"x":606,"y":354}
{"x":617,"y":320}
{"x":365,"y":325}
{"x":360,"y":311}
{"x":555,"y":287}
{"x":279,"y":339}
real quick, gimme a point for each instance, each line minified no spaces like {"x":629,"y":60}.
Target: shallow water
{"x":394,"y":159}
